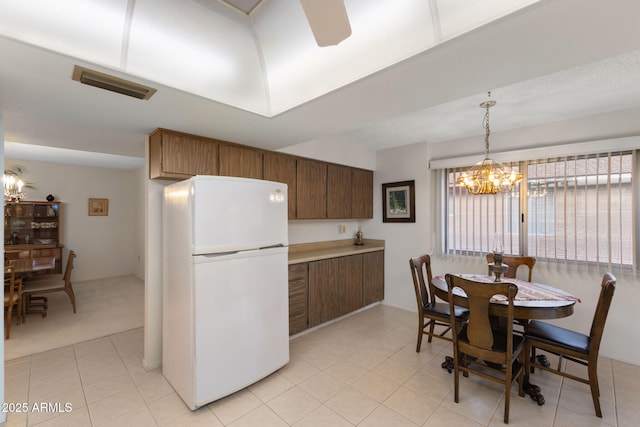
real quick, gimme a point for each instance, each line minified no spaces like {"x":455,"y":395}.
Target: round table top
{"x":555,"y":303}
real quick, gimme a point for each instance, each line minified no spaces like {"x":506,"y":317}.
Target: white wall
{"x":140,"y":179}
{"x":106,"y":246}
{"x":402,"y":240}
{"x":622,"y":334}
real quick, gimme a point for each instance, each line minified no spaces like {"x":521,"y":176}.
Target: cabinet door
{"x":362,"y":199}
{"x":311,"y":189}
{"x":373,"y":277}
{"x":176,"y":155}
{"x":32,"y":223}
{"x":298,"y":298}
{"x":338,"y":191}
{"x":282,"y":168}
{"x":350,"y":284}
{"x":242,"y":162}
{"x":323,"y":291}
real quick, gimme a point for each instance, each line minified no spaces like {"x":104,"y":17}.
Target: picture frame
{"x":398,"y":201}
{"x":98,"y":207}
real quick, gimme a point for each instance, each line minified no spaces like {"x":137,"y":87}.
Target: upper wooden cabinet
{"x":282,"y":168}
{"x":240,"y":161}
{"x":362,"y":193}
{"x":316,"y":190}
{"x":176,"y":155}
{"x":339,"y":191}
{"x":311,"y":189}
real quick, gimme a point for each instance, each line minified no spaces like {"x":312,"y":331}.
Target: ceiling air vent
{"x":112,"y":83}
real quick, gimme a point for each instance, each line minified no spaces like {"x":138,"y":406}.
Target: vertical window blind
{"x":577,"y":209}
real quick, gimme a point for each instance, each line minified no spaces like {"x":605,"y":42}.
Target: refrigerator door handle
{"x":279,"y":245}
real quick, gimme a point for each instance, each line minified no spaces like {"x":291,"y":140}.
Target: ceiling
{"x":249,"y":71}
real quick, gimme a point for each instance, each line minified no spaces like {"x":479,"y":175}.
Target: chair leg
{"x":507,"y":395}
{"x":595,"y":388}
{"x":72,"y":297}
{"x":532,"y":358}
{"x":432,"y":325}
{"x":7,"y":323}
{"x":19,"y":311}
{"x":420,"y":333}
{"x":456,"y":378}
{"x":522,"y":359}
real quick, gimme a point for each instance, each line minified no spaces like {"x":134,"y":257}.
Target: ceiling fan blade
{"x":328,"y":21}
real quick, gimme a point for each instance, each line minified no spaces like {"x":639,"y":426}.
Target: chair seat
{"x":43,"y":278}
{"x":557,"y":336}
{"x":43,"y":286}
{"x":442,"y":309}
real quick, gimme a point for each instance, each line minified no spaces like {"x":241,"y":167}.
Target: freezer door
{"x":241,"y":320}
{"x":231,"y":214}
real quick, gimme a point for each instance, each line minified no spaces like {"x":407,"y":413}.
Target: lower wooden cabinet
{"x":323,"y":290}
{"x":334,"y":287}
{"x":350,"y":284}
{"x":373,"y":277}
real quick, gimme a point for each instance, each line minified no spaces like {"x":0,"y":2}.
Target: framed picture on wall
{"x":98,"y":207}
{"x":398,"y":202}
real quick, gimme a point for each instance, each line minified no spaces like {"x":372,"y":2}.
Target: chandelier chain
{"x":485,"y":125}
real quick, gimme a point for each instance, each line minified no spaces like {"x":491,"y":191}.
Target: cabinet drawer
{"x":298,"y":273}
{"x":298,"y":298}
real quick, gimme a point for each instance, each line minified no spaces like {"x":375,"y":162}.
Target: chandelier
{"x":12,"y":187}
{"x":488,"y":176}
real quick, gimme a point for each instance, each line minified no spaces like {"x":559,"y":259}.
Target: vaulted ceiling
{"x":250,"y":71}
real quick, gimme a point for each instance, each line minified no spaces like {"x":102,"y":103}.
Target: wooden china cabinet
{"x":32,"y":236}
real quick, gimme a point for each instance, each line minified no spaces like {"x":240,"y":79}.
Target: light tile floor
{"x":362,"y":370}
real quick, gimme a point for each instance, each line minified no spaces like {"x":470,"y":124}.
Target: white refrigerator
{"x":225,"y":285}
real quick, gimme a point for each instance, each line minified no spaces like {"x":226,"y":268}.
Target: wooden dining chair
{"x":574,"y":346}
{"x":12,"y":297}
{"x":435,"y":313}
{"x":40,"y":286}
{"x":492,"y":353}
{"x":514,"y":262}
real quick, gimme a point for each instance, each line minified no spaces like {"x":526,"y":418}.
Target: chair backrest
{"x":68,"y":268}
{"x":423,"y":287}
{"x":515,"y":261}
{"x":607,"y":288}
{"x":479,"y":332}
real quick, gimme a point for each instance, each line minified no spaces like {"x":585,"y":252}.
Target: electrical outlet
{"x":342,"y":229}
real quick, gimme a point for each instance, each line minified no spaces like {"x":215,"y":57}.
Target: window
{"x":577,"y":208}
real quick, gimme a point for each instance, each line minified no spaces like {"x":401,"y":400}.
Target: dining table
{"x":533,"y":301}
{"x":23,"y":263}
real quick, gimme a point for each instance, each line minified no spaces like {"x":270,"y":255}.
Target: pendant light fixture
{"x":488,"y":176}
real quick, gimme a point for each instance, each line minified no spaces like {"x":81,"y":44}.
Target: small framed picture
{"x":398,"y":202}
{"x":98,"y":207}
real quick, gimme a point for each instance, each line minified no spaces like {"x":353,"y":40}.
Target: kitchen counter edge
{"x":306,"y":252}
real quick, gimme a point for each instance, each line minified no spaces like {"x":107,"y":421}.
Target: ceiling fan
{"x":328,"y":21}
